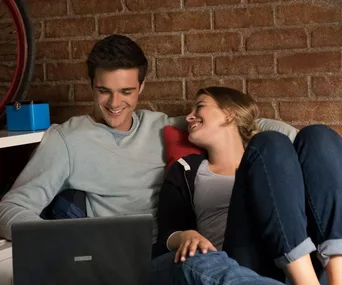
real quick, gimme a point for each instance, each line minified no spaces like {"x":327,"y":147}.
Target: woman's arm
{"x":174,"y":210}
{"x":177,"y":219}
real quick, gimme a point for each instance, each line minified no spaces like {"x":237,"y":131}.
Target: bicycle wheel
{"x":17,"y":52}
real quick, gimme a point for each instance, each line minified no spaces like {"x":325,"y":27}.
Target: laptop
{"x":110,"y":250}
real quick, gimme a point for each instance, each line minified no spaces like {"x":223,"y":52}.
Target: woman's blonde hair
{"x":242,"y":105}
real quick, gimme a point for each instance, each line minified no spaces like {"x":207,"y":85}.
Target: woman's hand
{"x":190,"y":241}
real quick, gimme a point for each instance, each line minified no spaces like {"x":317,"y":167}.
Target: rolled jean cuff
{"x":304,"y":248}
{"x":327,"y":249}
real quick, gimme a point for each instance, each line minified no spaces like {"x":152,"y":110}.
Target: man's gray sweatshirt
{"x":120,"y":176}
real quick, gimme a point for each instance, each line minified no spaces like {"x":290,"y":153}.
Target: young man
{"x":115,"y":155}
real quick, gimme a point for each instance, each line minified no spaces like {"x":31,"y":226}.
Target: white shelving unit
{"x":11,"y":139}
{"x":8,"y":138}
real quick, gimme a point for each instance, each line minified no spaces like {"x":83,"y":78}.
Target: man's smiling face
{"x":116,"y":97}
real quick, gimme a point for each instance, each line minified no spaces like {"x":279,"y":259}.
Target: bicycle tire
{"x":25,"y":55}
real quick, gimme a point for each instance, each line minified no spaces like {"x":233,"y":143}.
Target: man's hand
{"x":190,"y":241}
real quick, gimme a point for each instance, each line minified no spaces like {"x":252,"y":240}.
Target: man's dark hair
{"x":116,"y":52}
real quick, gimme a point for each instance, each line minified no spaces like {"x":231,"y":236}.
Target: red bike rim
{"x":21,"y":53}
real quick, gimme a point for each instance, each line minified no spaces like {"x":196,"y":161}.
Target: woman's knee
{"x":271,"y":142}
{"x":318,"y":136}
{"x":319,"y":140}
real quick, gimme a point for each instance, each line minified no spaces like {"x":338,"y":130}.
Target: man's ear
{"x":142,"y":85}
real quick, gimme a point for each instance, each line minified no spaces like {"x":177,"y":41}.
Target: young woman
{"x":264,"y":200}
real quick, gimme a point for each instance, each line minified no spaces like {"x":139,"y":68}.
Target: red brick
{"x":243,"y":17}
{"x":140,"y":5}
{"x":38,"y":29}
{"x":70,"y":27}
{"x":213,"y":42}
{"x":319,"y":111}
{"x":154,"y":45}
{"x":327,"y":36}
{"x":280,"y":87}
{"x":172,"y":109}
{"x":201,"y":3}
{"x":150,"y":70}
{"x":299,"y":126}
{"x":244,"y":65}
{"x":182,"y":21}
{"x":43,"y":8}
{"x":183,"y":66}
{"x":96,"y":6}
{"x":327,"y":86}
{"x":277,"y":39}
{"x":3,"y":89}
{"x":7,"y":32}
{"x":125,"y":24}
{"x":81,"y":49}
{"x":146,"y":106}
{"x":188,"y":106}
{"x":8,"y":52}
{"x":83,"y":92}
{"x":38,"y":73}
{"x":52,"y":50}
{"x":337,"y":128}
{"x":162,"y":90}
{"x":49,"y":93}
{"x":307,"y":13}
{"x":66,"y":71}
{"x":266,"y":110}
{"x":192,"y":86}
{"x":261,"y":1}
{"x":60,"y":114}
{"x":310,"y":62}
{"x":7,"y":72}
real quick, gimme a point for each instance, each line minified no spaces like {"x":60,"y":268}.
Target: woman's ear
{"x":230,"y":116}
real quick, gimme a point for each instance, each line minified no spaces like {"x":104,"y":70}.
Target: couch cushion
{"x":177,"y":145}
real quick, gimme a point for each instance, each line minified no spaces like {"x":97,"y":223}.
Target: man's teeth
{"x":115,"y":111}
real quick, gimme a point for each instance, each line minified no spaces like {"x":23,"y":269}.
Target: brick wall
{"x":286,"y":54}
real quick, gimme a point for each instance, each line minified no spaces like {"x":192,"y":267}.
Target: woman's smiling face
{"x":205,"y":120}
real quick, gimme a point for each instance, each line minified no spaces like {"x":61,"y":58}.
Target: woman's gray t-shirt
{"x":211,"y":200}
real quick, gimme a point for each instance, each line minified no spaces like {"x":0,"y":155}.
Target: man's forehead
{"x":117,"y":79}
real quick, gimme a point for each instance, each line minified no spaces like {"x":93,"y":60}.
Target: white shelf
{"x":9,"y":138}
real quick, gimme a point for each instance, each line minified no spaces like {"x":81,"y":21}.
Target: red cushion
{"x":177,"y":145}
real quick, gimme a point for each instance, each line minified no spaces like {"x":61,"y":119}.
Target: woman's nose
{"x":190,"y":117}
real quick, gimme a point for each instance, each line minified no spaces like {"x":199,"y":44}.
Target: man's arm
{"x":40,"y":181}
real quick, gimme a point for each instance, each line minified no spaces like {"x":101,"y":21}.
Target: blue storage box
{"x":27,"y":116}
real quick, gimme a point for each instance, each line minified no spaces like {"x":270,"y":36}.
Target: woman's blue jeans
{"x":287,"y":201}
